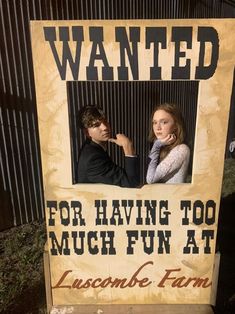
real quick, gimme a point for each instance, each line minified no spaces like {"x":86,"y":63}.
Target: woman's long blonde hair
{"x":173,"y":110}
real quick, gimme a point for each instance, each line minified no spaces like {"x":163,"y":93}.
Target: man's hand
{"x":123,"y":141}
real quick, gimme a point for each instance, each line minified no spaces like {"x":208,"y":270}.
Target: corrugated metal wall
{"x":21,"y":192}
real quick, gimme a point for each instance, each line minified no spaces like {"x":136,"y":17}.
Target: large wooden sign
{"x":154,"y":244}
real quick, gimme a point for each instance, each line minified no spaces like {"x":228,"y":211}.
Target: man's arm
{"x":123,"y":141}
{"x":101,"y":169}
{"x":131,"y":160}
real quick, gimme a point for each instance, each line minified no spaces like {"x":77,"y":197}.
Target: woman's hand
{"x":168,"y":140}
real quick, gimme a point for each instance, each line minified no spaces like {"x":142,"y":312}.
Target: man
{"x":94,"y":164}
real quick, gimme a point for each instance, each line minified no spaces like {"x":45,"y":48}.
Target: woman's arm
{"x":170,"y":164}
{"x":154,"y":155}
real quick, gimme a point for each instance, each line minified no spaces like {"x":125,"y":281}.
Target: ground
{"x":22,"y":288}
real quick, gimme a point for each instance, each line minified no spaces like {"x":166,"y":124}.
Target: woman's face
{"x":163,"y":124}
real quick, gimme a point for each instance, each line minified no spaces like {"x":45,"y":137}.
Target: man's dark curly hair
{"x":89,"y":116}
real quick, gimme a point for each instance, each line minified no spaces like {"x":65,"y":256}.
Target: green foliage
{"x":21,"y":261}
{"x":228,"y":186}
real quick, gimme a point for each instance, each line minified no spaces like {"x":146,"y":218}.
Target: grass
{"x":21,"y":269}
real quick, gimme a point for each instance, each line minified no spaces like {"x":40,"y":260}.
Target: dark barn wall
{"x":21,"y":192}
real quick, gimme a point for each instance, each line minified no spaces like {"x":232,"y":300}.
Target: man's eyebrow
{"x":96,"y":123}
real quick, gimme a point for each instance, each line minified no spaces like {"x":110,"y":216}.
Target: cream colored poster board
{"x":154,"y":244}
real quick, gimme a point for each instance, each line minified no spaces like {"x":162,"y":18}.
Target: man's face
{"x":99,"y":132}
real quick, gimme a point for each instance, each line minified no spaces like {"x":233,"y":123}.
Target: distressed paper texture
{"x":211,"y":130}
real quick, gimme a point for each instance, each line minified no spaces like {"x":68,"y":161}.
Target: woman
{"x":169,"y":156}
